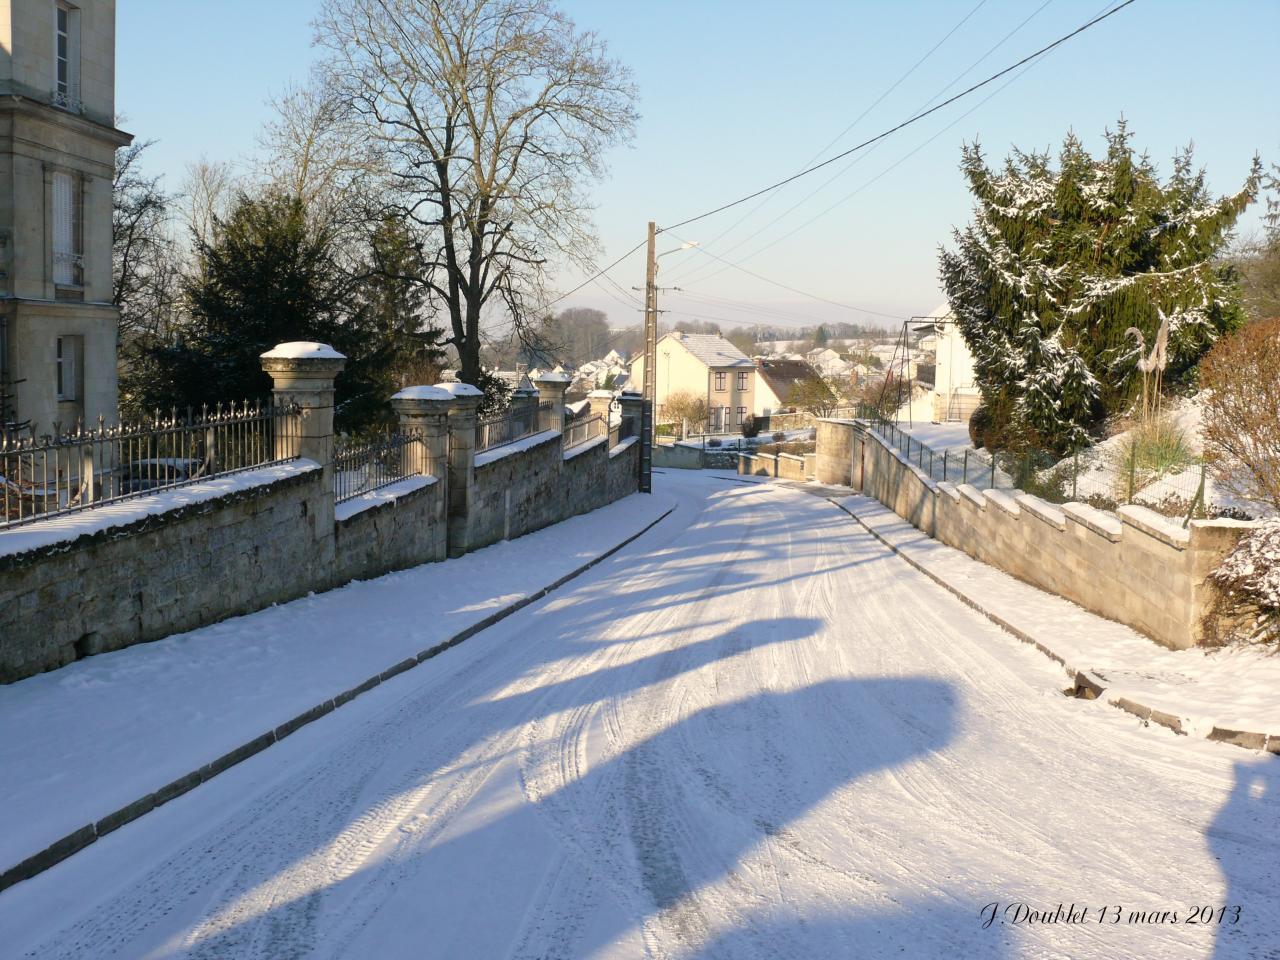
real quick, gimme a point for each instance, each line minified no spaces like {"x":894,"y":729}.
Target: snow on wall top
{"x":552,"y":376}
{"x":422,"y":393}
{"x":303,"y":350}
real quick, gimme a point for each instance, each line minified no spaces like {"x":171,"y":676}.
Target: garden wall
{"x":1134,"y":566}
{"x":146,"y":568}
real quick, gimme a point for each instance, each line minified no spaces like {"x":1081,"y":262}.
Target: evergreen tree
{"x":265,"y":275}
{"x":1057,"y":265}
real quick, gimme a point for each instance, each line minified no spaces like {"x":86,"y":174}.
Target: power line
{"x":858,"y":119}
{"x":905,"y":123}
{"x":714,"y":271}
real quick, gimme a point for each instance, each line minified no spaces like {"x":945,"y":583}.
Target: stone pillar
{"x":524,"y":405}
{"x":462,"y":462}
{"x":302,"y":373}
{"x":632,"y":406}
{"x":551,"y":389}
{"x":424,"y":412}
{"x":598,"y":404}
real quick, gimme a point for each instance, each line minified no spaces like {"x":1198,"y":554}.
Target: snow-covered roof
{"x":712,"y":349}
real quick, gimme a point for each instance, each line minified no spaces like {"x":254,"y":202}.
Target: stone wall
{"x":1134,"y":566}
{"x":161,"y":574}
{"x":400,"y":530}
{"x":149,"y":567}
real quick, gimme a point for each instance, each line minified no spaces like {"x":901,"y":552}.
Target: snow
{"x":303,"y":350}
{"x":456,"y":389}
{"x":83,"y":741}
{"x":422,"y":393}
{"x":388,"y":494}
{"x":585,"y":446}
{"x":753,"y":733}
{"x":516,"y":446}
{"x":71,"y":526}
{"x":552,"y":376}
{"x":1156,"y":524}
{"x":1232,"y":688}
{"x":1004,"y":500}
{"x":622,"y":446}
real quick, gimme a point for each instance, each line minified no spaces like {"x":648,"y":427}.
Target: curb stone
{"x":1088,"y":685}
{"x":77,"y":840}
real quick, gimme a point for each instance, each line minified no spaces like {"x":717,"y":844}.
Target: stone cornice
{"x":18,"y":103}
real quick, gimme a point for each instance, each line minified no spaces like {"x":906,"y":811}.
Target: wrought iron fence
{"x":515,"y":424}
{"x":364,"y":465}
{"x":64,"y":472}
{"x":578,"y":432}
{"x":1100,"y":476}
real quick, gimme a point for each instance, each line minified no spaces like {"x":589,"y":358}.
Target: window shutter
{"x":63,"y":228}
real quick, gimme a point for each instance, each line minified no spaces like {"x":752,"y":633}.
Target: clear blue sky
{"x":735,"y":95}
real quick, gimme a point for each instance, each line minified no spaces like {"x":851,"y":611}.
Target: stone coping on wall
{"x":1103,"y":659}
{"x":622,"y":447}
{"x":382,"y":497}
{"x":517,"y":446}
{"x":29,"y":543}
{"x":585,"y":446}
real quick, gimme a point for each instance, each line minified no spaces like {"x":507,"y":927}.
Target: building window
{"x":66,"y":368}
{"x":742,"y":415}
{"x":68,"y":231}
{"x":66,"y":57}
{"x":720,"y":381}
{"x":742,"y":381}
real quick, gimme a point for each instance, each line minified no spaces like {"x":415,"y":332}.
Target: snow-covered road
{"x":752,"y":733}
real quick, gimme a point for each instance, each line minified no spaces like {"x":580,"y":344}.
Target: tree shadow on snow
{"x":1244,"y":840}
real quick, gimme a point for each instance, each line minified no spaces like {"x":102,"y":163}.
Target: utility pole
{"x":647,"y":426}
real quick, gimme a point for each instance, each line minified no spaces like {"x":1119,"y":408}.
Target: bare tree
{"x":207,"y":195}
{"x":489,"y":116}
{"x":146,"y":265}
{"x":685,"y":409}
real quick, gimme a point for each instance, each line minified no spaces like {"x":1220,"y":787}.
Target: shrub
{"x":713,"y":442}
{"x":1240,"y":379}
{"x":979,"y":424}
{"x":779,"y":437}
{"x":1156,"y":448}
{"x":750,"y":427}
{"x":1247,"y":608}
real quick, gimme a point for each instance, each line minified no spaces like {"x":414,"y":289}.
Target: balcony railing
{"x":65,"y":472}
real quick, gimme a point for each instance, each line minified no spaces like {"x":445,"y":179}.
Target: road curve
{"x":753,"y":733}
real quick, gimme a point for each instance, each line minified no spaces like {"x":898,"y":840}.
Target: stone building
{"x":58,"y":326}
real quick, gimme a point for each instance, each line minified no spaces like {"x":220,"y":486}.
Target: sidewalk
{"x":1227,"y":695}
{"x":84,"y":742}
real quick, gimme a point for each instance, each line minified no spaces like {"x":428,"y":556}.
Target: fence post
{"x":302,"y":374}
{"x":964,"y":477}
{"x":424,"y":413}
{"x":524,"y":406}
{"x":1075,"y":472}
{"x":551,"y":389}
{"x":462,"y":463}
{"x":598,"y":404}
{"x":945,"y":455}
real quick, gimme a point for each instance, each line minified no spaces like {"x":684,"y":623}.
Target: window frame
{"x":66,"y":56}
{"x":67,"y":251}
{"x":65,"y":359}
{"x":720,"y":381}
{"x":742,"y":380}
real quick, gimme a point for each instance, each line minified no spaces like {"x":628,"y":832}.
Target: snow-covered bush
{"x":1247,"y":608}
{"x":1241,"y":427}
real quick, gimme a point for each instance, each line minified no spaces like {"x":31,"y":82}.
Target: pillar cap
{"x":302,"y":350}
{"x":553,"y":376}
{"x":456,"y":389}
{"x":423,"y":393}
